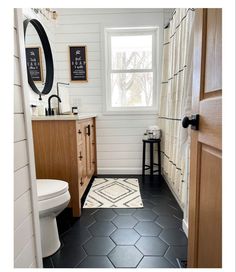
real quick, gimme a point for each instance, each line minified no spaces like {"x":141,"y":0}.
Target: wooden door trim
{"x":198,"y":83}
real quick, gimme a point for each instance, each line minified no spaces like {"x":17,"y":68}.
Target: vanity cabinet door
{"x":90,"y":148}
{"x":93,"y":147}
{"x":86,"y":152}
{"x":79,"y":130}
{"x":82,"y":174}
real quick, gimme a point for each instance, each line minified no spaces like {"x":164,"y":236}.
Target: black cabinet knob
{"x":81,"y":182}
{"x":194,"y":122}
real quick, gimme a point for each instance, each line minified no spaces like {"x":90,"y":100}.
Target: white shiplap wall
{"x":27,"y":252}
{"x":119,"y":137}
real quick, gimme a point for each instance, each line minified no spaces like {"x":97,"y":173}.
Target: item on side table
{"x":153,"y":132}
{"x":145,"y":136}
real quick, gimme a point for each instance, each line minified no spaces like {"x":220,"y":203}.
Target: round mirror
{"x":39,"y":59}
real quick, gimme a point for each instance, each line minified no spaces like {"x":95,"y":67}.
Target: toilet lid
{"x":49,"y":188}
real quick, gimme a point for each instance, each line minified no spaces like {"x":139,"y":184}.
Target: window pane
{"x":131,"y":89}
{"x":131,"y":52}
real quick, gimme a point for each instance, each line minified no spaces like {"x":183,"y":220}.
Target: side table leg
{"x":151,"y":159}
{"x":159,"y":157}
{"x":144,"y":154}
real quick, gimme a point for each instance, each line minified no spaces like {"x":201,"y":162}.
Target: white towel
{"x":64,"y":106}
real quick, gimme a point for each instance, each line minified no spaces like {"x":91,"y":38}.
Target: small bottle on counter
{"x":34,"y":110}
{"x":41,"y":108}
{"x":145,"y":136}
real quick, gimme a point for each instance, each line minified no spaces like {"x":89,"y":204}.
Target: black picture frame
{"x":34,"y":63}
{"x":78,"y":63}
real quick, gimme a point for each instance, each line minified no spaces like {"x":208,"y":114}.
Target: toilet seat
{"x":50,"y":188}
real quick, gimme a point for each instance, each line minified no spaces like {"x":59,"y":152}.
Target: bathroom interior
{"x":104,"y":122}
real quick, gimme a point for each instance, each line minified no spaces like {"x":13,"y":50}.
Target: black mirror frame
{"x":48,"y":58}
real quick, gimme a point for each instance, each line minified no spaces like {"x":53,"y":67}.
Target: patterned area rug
{"x":114,"y":193}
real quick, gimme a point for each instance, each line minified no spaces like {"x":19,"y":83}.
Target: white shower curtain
{"x":175,"y":101}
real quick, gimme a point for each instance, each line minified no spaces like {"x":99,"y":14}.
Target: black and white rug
{"x":114,"y":193}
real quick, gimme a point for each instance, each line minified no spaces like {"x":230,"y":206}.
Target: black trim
{"x":174,"y":12}
{"x":166,"y":43}
{"x":48,"y":58}
{"x":175,"y":74}
{"x":168,"y":118}
{"x":177,"y":168}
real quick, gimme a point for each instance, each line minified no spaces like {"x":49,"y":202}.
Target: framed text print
{"x":78,"y":63}
{"x":34,"y":63}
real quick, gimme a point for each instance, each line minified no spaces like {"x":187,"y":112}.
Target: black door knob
{"x":194,"y":122}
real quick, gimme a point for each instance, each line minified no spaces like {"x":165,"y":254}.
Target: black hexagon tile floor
{"x":150,"y":237}
{"x":125,"y":256}
{"x":125,"y":236}
{"x":125,"y":221}
{"x":99,"y":246}
{"x":151,"y":246}
{"x":101,"y":228}
{"x":148,"y":229}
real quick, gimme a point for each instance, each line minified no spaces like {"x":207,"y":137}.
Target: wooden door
{"x":205,"y":236}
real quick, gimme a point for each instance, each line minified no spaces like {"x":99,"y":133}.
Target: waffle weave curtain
{"x":175,"y":101}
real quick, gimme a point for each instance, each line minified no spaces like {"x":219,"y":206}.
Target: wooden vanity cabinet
{"x":66,"y":150}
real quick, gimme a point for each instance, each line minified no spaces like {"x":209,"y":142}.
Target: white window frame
{"x":111,"y":32}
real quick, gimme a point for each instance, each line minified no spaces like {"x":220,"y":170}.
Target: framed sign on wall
{"x":78,"y":63}
{"x":34,"y":63}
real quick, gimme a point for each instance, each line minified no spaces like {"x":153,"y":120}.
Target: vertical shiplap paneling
{"x":119,"y":138}
{"x":26,"y":257}
{"x":24,"y":243}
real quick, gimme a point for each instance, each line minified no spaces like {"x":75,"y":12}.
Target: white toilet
{"x":53,"y":198}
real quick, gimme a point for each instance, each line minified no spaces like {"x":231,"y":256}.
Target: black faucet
{"x":50,"y":112}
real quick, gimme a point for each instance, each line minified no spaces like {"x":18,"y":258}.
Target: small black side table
{"x":152,"y":164}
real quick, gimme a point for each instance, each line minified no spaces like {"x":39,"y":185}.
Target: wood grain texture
{"x":58,"y":149}
{"x":211,"y":128}
{"x":213,"y":64}
{"x":204,"y":243}
{"x":209,"y":232}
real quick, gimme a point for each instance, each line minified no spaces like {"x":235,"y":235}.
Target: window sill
{"x":130,"y":112}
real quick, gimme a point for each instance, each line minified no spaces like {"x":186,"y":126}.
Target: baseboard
{"x":172,"y":191}
{"x":185,"y":227}
{"x":117,"y":171}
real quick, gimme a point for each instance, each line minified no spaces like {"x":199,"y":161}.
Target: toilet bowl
{"x":53,"y":198}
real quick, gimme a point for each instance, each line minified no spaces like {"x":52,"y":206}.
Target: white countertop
{"x":63,"y":117}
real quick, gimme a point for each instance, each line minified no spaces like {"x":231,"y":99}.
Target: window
{"x":130,"y":69}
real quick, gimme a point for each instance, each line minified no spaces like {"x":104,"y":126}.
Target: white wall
{"x":119,"y":138}
{"x":27,"y":251}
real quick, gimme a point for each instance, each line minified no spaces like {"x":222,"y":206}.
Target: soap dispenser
{"x":41,"y":108}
